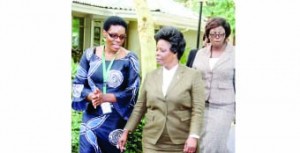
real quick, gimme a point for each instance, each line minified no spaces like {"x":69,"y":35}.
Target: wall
{"x":191,"y":38}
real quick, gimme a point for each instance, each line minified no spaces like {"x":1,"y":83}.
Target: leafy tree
{"x":192,"y":4}
{"x":214,"y":8}
{"x":221,"y":8}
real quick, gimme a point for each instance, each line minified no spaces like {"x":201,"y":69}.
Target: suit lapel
{"x":224,"y":57}
{"x":177,"y":76}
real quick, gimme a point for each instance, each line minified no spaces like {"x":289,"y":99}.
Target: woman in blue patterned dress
{"x":107,"y":74}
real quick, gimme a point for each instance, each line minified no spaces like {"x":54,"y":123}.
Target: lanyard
{"x":104,"y":70}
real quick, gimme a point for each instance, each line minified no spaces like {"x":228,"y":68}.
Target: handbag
{"x":191,"y":57}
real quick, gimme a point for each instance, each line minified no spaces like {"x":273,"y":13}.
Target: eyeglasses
{"x":215,"y":35}
{"x":116,"y":36}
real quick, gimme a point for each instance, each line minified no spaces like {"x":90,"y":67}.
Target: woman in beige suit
{"x":172,"y":99}
{"x":216,"y":63}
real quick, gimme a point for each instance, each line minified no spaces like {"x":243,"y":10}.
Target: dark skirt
{"x":95,"y":130}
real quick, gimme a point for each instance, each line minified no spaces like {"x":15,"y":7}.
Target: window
{"x":97,"y":33}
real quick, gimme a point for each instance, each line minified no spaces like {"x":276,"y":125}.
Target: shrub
{"x":134,"y":143}
{"x":76,"y":120}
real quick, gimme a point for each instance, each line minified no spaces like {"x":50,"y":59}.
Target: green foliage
{"x":134,"y":144}
{"x":74,"y":67}
{"x":76,"y":116}
{"x":214,"y":8}
{"x":185,"y":55}
{"x":76,"y":40}
{"x":75,"y":33}
{"x":75,"y":23}
{"x":221,"y":8}
{"x":76,"y":121}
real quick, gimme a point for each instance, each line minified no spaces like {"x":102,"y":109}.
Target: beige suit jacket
{"x":181,"y":111}
{"x":219,"y":86}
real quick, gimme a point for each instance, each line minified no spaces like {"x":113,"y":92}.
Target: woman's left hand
{"x":190,"y":145}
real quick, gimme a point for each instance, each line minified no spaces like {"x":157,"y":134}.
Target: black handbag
{"x":191,"y":57}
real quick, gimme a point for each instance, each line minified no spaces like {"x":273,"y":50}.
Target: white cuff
{"x":194,"y":136}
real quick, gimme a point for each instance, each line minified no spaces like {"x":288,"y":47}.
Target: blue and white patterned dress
{"x":123,"y":82}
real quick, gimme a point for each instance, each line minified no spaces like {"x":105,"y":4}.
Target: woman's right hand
{"x":96,"y":97}
{"x":122,"y":140}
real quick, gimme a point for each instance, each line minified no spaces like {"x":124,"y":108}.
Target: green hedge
{"x":76,"y":120}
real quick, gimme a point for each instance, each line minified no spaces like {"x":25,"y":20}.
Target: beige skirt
{"x":163,"y":145}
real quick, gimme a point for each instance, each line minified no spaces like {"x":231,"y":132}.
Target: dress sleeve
{"x":80,"y":86}
{"x":126,"y":99}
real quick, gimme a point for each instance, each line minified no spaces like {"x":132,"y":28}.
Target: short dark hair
{"x":174,"y":37}
{"x":216,"y":22}
{"x":114,"y":20}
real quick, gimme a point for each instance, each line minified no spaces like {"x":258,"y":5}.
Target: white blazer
{"x":219,"y":82}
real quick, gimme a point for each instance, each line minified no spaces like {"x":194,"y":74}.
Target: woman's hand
{"x":190,"y":145}
{"x":96,"y":97}
{"x":122,"y":140}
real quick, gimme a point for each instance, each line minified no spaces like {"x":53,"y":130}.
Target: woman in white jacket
{"x":216,"y":62}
